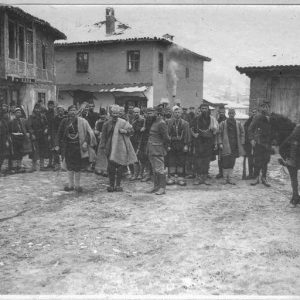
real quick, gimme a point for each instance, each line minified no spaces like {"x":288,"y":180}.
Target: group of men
{"x":34,"y":135}
{"x":169,"y":144}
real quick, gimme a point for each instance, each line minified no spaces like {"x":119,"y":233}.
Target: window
{"x":12,"y":40}
{"x":133,"y":61}
{"x":160,"y":62}
{"x":82,"y":62}
{"x":44,"y":56}
{"x":21,"y":43}
{"x":29,"y":43}
{"x":187,"y":72}
{"x":42,"y":98}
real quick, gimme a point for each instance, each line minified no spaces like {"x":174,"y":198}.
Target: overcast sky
{"x":229,"y":34}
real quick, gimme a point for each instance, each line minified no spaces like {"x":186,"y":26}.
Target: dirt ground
{"x":193,"y":240}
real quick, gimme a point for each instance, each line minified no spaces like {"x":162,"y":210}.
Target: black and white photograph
{"x":149,"y":149}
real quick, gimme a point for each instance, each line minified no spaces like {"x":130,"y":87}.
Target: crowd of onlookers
{"x":180,"y":140}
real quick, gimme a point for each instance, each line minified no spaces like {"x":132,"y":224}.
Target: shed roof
{"x":21,"y":13}
{"x":252,"y":69}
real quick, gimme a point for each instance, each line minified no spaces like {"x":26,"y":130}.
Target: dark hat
{"x":222,"y":106}
{"x":150,"y":109}
{"x":204,"y":105}
{"x":37,"y":105}
{"x":51,"y":102}
{"x":72,"y":106}
{"x":191,"y":107}
{"x":159,"y":109}
{"x":184,"y":108}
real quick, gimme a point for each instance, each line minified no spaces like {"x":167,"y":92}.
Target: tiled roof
{"x":249,"y":69}
{"x":19,"y":12}
{"x":91,"y":35}
{"x":275,"y":62}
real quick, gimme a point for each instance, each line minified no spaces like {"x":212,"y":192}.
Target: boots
{"x":256,"y":181}
{"x":265,"y":182}
{"x":155,"y":184}
{"x":204,"y":179}
{"x":225,"y":176}
{"x":136,"y":172}
{"x":112,"y":179}
{"x":229,"y":177}
{"x":161,"y":184}
{"x":42,"y":165}
{"x":118,"y":187}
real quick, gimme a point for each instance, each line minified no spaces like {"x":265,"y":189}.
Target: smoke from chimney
{"x":110,"y":21}
{"x":172,"y":76}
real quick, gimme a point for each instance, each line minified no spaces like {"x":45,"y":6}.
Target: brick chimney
{"x":110,"y":21}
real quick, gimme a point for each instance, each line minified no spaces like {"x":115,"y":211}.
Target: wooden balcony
{"x":23,"y":70}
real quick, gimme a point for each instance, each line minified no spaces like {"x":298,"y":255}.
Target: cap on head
{"x":203,"y":105}
{"x":50,"y":102}
{"x":136,"y":109}
{"x":71,"y":107}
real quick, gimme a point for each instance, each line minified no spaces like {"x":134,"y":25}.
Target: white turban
{"x":175,"y":107}
{"x":115,"y":108}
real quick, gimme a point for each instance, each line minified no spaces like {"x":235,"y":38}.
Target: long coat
{"x":21,"y":126}
{"x":158,"y":138}
{"x":117,"y":146}
{"x":223,"y":138}
{"x":4,"y":139}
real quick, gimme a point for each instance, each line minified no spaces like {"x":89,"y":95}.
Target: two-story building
{"x":27,"y":70}
{"x":127,"y":68}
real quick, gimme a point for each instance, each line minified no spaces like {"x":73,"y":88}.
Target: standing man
{"x":137,"y":123}
{"x":50,"y":115}
{"x":178,"y":130}
{"x":185,"y":115}
{"x":142,"y":147}
{"x":157,"y":150}
{"x":5,"y":139}
{"x":21,"y":144}
{"x":231,"y":140}
{"x":38,"y":128}
{"x":248,"y":146}
{"x":56,"y":122}
{"x":115,"y":142}
{"x":221,"y":118}
{"x":260,"y":137}
{"x":91,"y":116}
{"x":203,"y":129}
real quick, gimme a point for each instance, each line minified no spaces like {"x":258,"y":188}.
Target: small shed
{"x":277,"y":85}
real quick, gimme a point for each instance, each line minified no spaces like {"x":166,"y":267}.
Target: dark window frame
{"x":44,"y":56}
{"x":133,"y":60}
{"x":187,"y":72}
{"x":41,"y":96}
{"x":12,"y":40}
{"x":160,"y":62}
{"x":82,"y":65}
{"x":29,"y":46}
{"x":21,"y":44}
